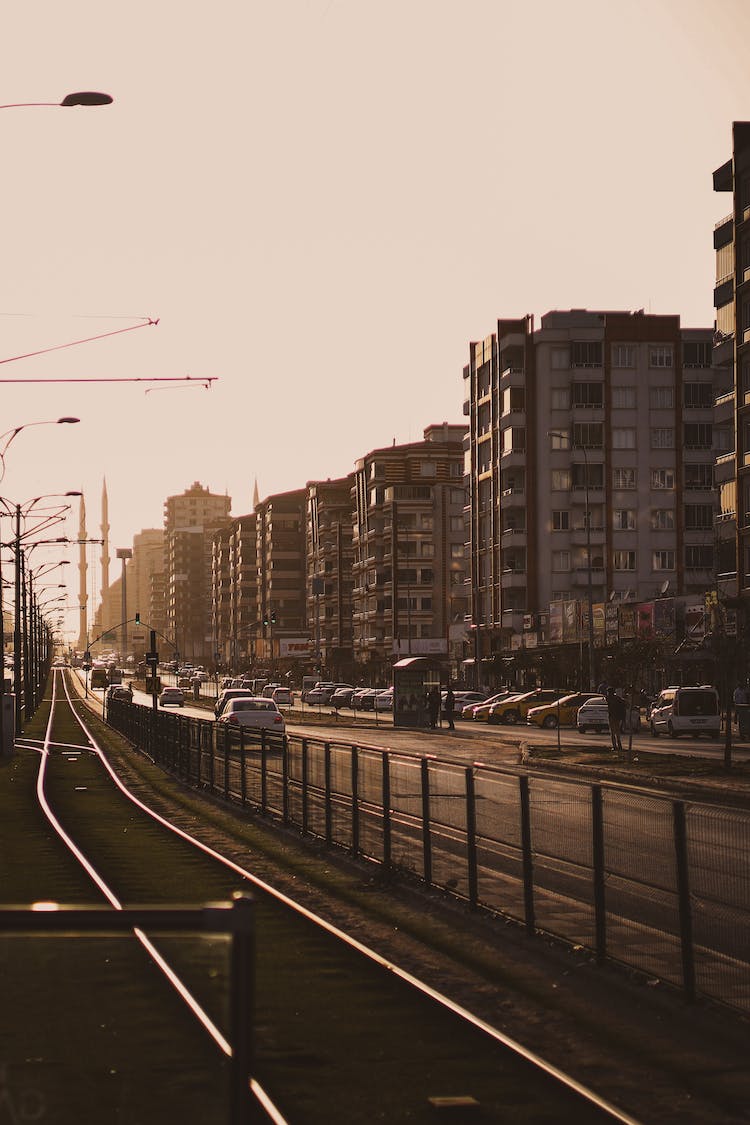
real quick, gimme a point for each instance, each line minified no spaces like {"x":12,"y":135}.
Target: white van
{"x":686,"y":710}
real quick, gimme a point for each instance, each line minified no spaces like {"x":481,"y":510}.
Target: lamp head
{"x":86,"y":97}
{"x":70,"y":421}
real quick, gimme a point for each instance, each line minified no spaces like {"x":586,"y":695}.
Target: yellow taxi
{"x":562,"y":711}
{"x":481,"y":711}
{"x":516,"y":707}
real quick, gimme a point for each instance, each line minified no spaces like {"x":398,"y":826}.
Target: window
{"x":662,"y":478}
{"x":623,"y":438}
{"x":514,"y":440}
{"x":458,"y":496}
{"x":560,"y":398}
{"x":457,"y":551}
{"x":586,"y":353}
{"x":561,"y":480}
{"x":623,"y":479}
{"x":696,"y":353}
{"x":560,"y":561}
{"x":594,"y":477}
{"x":698,"y":396}
{"x":456,"y":523}
{"x":662,"y":519}
{"x":560,"y":359}
{"x":623,"y":398}
{"x":661,"y":398}
{"x":698,"y":435}
{"x":662,"y":560}
{"x":561,"y":521}
{"x":427,"y":550}
{"x":428,"y":469}
{"x":624,"y":560}
{"x":559,"y":439}
{"x":660,"y":355}
{"x":699,"y":477}
{"x":624,"y":519}
{"x":588,"y":394}
{"x":699,"y":517}
{"x":623,"y":355}
{"x":589,"y":435}
{"x":514,"y":399}
{"x":561,"y":596}
{"x":456,"y":469}
{"x":662,"y":437}
{"x":699,"y":557}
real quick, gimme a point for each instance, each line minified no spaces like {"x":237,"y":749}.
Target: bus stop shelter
{"x":414,"y":677}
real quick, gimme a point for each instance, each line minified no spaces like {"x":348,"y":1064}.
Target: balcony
{"x":725,"y":469}
{"x":513,"y":580}
{"x":724,"y":231}
{"x":579,"y":536}
{"x":513,"y":498}
{"x":580,"y":577}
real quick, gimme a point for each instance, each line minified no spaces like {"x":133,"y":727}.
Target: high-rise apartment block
{"x":190,"y":521}
{"x":409,"y":568}
{"x":280,"y":554}
{"x":330,"y":552}
{"x":590,"y":465}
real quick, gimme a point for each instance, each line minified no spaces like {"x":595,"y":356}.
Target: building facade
{"x":282,"y":636}
{"x":590,"y":467}
{"x":409,"y":567}
{"x":190,"y":523}
{"x":329,"y":556}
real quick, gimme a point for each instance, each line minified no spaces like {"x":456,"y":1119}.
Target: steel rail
{"x":161,"y":963}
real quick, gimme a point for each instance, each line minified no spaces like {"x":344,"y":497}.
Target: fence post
{"x":304,"y":786}
{"x":327,"y":776}
{"x":211,"y":756}
{"x":424,"y":768}
{"x":355,"y":800}
{"x":264,"y":772}
{"x":683,"y":898}
{"x":199,"y":748}
{"x":243,"y":768}
{"x":285,"y":780}
{"x":528,"y":862}
{"x":471,"y":836}
{"x":227,"y":742}
{"x":597,"y":851}
{"x":386,"y":808}
{"x":241,"y":1007}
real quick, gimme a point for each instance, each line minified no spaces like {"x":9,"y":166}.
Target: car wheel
{"x":494,"y":720}
{"x":550,"y":722}
{"x":511,"y":718}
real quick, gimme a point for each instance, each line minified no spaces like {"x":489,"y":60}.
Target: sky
{"x":322,"y":202}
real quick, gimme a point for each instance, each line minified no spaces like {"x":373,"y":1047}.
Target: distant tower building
{"x":105,"y":538}
{"x":82,"y":567}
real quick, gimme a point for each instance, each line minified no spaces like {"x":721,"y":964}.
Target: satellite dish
{"x":664,"y":587}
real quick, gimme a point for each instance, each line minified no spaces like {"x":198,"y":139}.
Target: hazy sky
{"x":323,"y":202}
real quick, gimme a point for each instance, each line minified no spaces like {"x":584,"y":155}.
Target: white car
{"x":282,"y":697}
{"x":593,"y":715}
{"x":686,"y":710}
{"x":172,"y":697}
{"x":253,"y":711}
{"x":384,"y":700}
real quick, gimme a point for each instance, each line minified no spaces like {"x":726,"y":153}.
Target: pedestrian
{"x":616,"y":710}
{"x":433,"y":706}
{"x":602,"y":689}
{"x":450,"y":703}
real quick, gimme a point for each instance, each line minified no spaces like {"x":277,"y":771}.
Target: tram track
{"x":359,"y":1026}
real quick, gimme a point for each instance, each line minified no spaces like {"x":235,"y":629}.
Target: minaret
{"x":256,"y":497}
{"x":82,"y":596}
{"x":105,"y":544}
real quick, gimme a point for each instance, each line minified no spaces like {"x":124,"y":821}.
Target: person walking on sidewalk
{"x":450,"y":704}
{"x":616,"y":710}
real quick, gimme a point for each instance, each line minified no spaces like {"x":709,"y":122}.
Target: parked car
{"x":227,"y":694}
{"x":562,"y":711}
{"x":384,"y":700}
{"x":342,"y":697}
{"x":282,"y":697}
{"x":515,"y":708}
{"x":367,"y":699}
{"x":172,"y":697}
{"x":253,"y":711}
{"x":320,"y":694}
{"x":462,"y":701}
{"x":686,"y":710}
{"x":357,"y":694}
{"x":593,"y":715}
{"x":481,"y":711}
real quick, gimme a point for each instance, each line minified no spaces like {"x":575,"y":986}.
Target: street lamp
{"x":27,"y":425}
{"x":83,"y":97}
{"x":589,"y":588}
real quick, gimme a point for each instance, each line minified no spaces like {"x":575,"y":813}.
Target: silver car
{"x":253,"y":711}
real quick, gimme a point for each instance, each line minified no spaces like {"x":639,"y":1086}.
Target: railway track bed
{"x":339,"y":1037}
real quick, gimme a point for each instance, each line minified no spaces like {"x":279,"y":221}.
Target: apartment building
{"x":329,"y":556}
{"x":409,"y":567}
{"x":589,"y":463}
{"x":732,"y":356}
{"x":190,"y":523}
{"x":282,"y":596}
{"x":235,"y":592}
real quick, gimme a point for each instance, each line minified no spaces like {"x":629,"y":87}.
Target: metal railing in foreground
{"x":235,"y":918}
{"x":637,"y":877}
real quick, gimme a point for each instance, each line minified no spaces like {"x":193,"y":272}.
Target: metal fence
{"x":658,"y":884}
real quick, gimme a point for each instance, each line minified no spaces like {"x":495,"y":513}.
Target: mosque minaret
{"x":105,"y":539}
{"x":82,"y":568}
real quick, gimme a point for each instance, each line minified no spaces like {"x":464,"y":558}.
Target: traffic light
{"x":273,"y":617}
{"x":265,"y":619}
{"x":137,"y":618}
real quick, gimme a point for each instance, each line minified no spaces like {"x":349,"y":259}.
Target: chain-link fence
{"x":658,"y":884}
